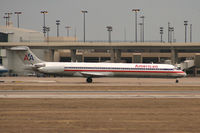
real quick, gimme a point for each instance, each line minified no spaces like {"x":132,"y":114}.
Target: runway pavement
{"x":107,"y":88}
{"x":73,"y":81}
{"x":97,"y":94}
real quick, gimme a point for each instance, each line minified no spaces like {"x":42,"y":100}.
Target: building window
{"x":3,"y":37}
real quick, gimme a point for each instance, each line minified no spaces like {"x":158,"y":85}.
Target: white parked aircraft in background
{"x":3,"y":70}
{"x":94,"y":70}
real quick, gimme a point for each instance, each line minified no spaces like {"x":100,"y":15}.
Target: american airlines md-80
{"x":94,"y":70}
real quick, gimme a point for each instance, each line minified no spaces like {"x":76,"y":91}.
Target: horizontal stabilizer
{"x":19,"y":48}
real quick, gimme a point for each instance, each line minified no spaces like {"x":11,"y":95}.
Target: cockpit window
{"x":177,"y":68}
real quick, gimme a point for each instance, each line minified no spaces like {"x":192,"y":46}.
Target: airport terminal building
{"x":68,"y":49}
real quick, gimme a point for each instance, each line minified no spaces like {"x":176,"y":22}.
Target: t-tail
{"x":26,"y":55}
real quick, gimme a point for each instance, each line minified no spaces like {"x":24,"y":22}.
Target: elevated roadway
{"x":187,"y":47}
{"x":115,"y":47}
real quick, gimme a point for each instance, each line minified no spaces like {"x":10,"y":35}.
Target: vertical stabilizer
{"x":26,"y":55}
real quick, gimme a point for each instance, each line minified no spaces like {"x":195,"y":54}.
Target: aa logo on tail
{"x":28,"y":57}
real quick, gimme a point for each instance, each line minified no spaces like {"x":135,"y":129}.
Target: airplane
{"x":3,"y":70}
{"x":95,"y":70}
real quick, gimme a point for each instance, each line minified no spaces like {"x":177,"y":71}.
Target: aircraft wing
{"x":96,"y":74}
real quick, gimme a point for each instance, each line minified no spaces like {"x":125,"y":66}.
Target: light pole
{"x":171,"y":31}
{"x":142,"y":17}
{"x":18,"y":13}
{"x":190,"y":32}
{"x":75,"y":34}
{"x":161,"y":34}
{"x":47,"y":30}
{"x":136,"y":10}
{"x":8,"y":18}
{"x":67,"y":27}
{"x":84,"y":12}
{"x":141,"y":33}
{"x":109,"y":29}
{"x":57,"y":23}
{"x":185,"y":24}
{"x":124,"y":34}
{"x":44,"y":26}
{"x":173,"y":34}
{"x":168,"y":32}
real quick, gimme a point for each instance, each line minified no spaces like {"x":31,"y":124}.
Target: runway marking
{"x":90,"y":91}
{"x":97,"y":94}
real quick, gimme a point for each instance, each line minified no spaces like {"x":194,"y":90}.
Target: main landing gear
{"x":89,"y":80}
{"x":177,"y":81}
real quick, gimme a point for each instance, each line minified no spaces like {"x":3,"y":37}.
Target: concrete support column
{"x":195,"y":71}
{"x":52,"y":54}
{"x":197,"y":60}
{"x":159,"y":61}
{"x":174,"y":56}
{"x":83,"y":58}
{"x":73,"y":55}
{"x":112,"y":55}
{"x":118,"y":55}
{"x":197,"y":64}
{"x":115,"y":55}
{"x":137,"y":58}
{"x":56,"y":56}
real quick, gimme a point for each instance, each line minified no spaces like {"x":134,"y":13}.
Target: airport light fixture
{"x":57,"y":23}
{"x":18,"y":13}
{"x":67,"y":27}
{"x":185,"y":24}
{"x":8,"y":18}
{"x":142,"y":17}
{"x":44,"y":25}
{"x":136,"y":10}
{"x":109,"y":29}
{"x":84,"y":12}
{"x":161,"y":34}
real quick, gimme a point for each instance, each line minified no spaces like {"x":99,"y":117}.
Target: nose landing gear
{"x":177,"y":81}
{"x":89,"y":80}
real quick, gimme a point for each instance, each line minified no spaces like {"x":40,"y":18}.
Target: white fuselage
{"x":3,"y":69}
{"x":110,"y":69}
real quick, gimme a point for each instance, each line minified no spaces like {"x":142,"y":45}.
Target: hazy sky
{"x":102,"y":13}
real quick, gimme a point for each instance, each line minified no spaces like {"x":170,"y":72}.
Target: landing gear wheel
{"x":89,"y":80}
{"x":177,"y":80}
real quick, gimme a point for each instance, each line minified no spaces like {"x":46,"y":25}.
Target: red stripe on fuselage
{"x":123,"y":71}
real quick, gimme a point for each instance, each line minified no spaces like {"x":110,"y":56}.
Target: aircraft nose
{"x":183,"y":74}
